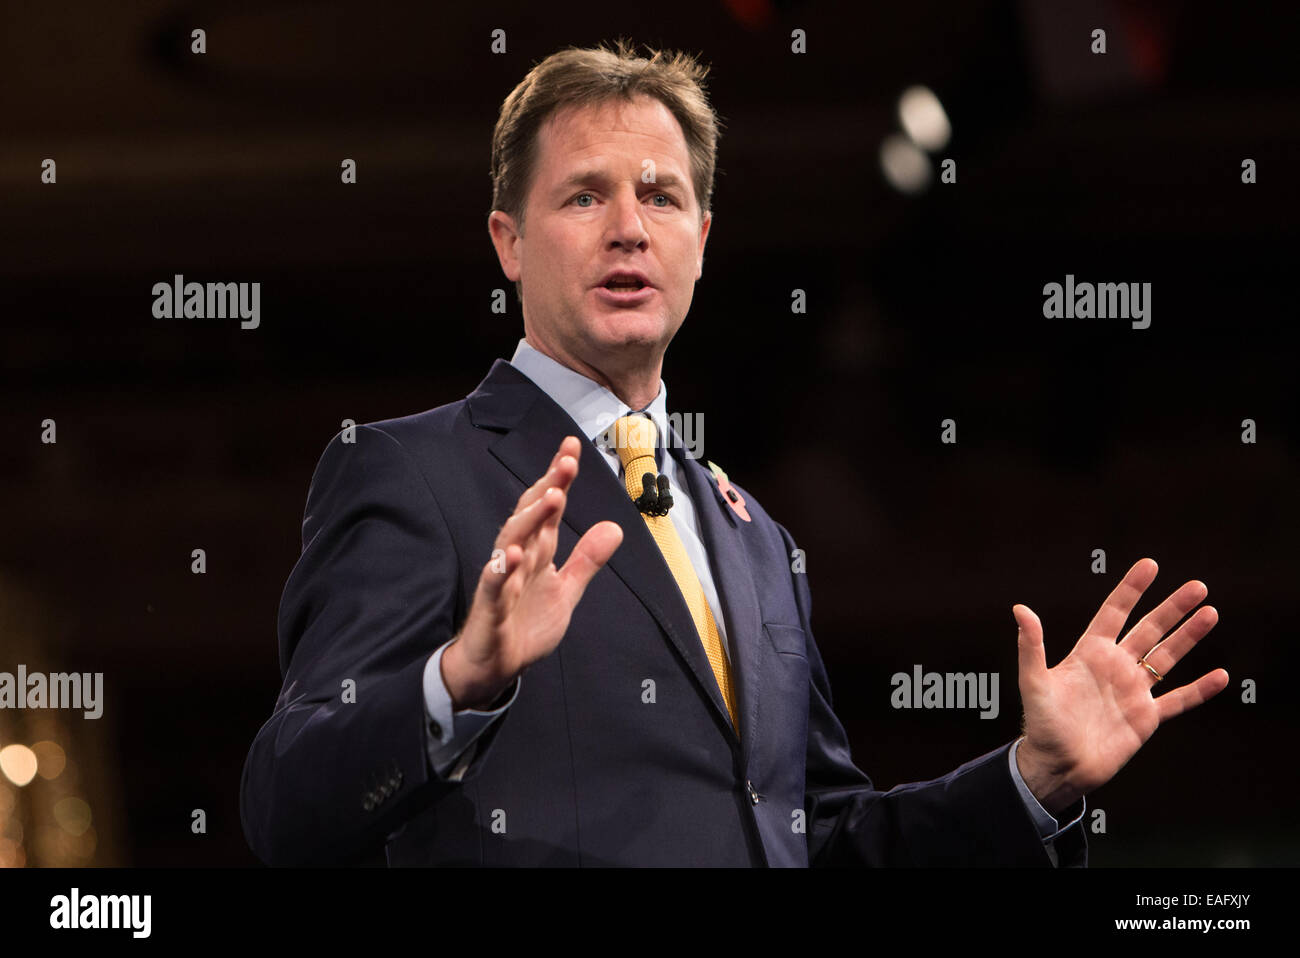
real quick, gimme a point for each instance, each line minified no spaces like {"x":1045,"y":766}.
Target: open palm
{"x":523,"y":603}
{"x":1087,"y":716}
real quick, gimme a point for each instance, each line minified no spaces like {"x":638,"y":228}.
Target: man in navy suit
{"x":452,"y":696}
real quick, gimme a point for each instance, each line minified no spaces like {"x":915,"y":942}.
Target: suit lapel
{"x":533,"y":426}
{"x":732,"y":574}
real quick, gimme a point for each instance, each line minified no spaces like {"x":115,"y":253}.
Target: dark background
{"x":1073,"y":435}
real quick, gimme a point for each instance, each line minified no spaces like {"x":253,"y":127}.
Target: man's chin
{"x":628,"y":331}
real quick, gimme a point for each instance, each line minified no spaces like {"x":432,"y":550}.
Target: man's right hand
{"x":520,"y":614}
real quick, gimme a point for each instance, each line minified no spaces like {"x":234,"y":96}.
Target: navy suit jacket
{"x":582,"y":769}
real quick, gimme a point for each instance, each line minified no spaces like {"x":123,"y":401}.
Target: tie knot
{"x":635,"y":437}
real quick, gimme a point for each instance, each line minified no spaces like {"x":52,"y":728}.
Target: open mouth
{"x":625,"y":291}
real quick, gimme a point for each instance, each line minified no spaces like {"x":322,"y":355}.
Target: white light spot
{"x":905,"y":167}
{"x":923,"y":118}
{"x":18,"y":762}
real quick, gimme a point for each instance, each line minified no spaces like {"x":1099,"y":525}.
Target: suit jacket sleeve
{"x":971,"y":816}
{"x":343,"y":761}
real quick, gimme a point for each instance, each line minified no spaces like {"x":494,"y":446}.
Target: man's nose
{"x":626,"y":227}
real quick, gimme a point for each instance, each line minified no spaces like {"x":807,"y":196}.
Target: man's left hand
{"x":1085,"y":718}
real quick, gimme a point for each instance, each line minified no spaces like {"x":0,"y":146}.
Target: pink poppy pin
{"x":734,"y":498}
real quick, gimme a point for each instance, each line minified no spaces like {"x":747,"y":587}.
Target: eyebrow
{"x":587,"y":177}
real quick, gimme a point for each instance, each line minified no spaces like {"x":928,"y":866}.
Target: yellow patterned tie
{"x":635,"y":437}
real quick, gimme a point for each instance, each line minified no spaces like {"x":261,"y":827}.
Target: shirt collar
{"x":592,"y":406}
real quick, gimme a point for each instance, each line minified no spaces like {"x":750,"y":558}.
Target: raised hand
{"x":522,"y":605}
{"x":1085,"y":718}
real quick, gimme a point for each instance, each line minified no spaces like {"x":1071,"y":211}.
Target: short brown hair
{"x":590,"y":76}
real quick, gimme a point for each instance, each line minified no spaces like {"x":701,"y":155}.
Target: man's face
{"x":588,"y":215}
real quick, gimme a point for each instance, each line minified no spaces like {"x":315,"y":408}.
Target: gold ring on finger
{"x":1147,"y":665}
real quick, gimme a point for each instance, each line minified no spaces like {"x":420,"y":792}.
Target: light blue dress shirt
{"x":454,"y":733}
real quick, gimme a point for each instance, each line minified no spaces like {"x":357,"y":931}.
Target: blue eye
{"x":580,"y":196}
{"x":661,"y":196}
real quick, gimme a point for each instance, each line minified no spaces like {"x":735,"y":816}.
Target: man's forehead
{"x":645,"y":115}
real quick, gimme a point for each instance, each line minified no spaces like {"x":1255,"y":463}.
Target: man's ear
{"x":505,"y":237}
{"x":704,"y":235}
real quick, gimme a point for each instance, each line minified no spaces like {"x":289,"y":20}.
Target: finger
{"x":540,"y":542}
{"x":566,"y":472}
{"x":1177,"y":701}
{"x":588,"y":557}
{"x":1114,"y":612}
{"x":1033,"y":658}
{"x":519,"y":527}
{"x":561,"y":472}
{"x":539,"y":547}
{"x":496,"y":571}
{"x":1166,"y":654}
{"x":1144,"y":636}
{"x":559,"y":475}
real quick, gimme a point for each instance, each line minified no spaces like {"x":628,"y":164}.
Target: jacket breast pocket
{"x":787,"y":639}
